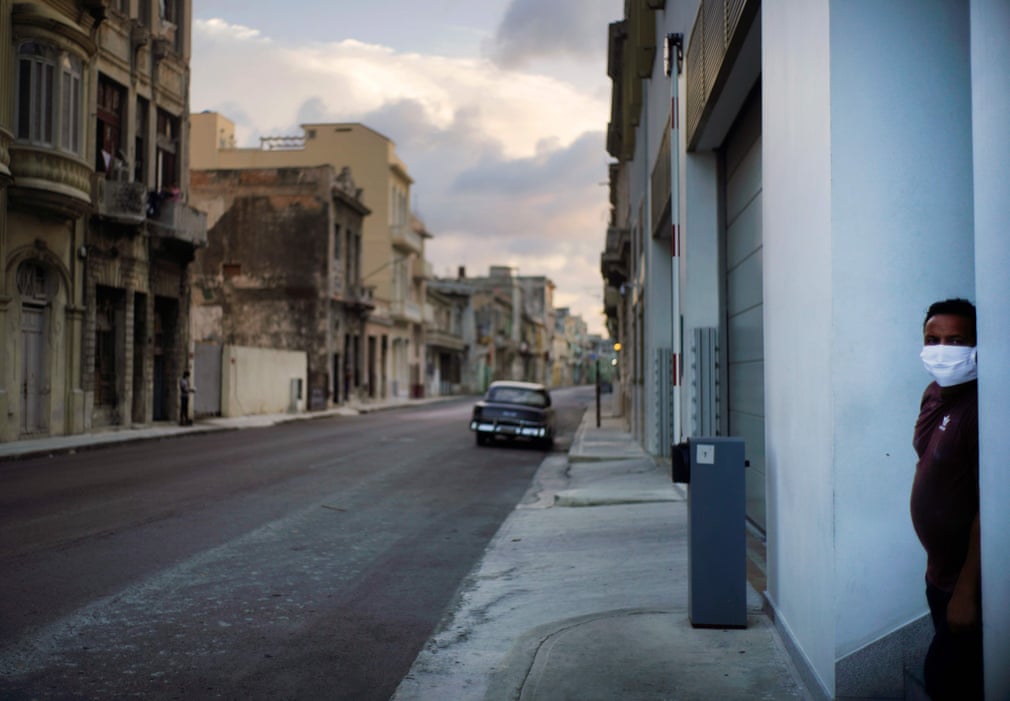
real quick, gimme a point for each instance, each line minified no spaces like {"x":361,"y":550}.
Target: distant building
{"x":95,"y":231}
{"x":393,"y":240}
{"x":449,"y":338}
{"x":282,"y":270}
{"x":513,"y":326}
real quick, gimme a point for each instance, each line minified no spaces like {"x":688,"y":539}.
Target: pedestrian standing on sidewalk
{"x":185,"y":389}
{"x":945,"y":501}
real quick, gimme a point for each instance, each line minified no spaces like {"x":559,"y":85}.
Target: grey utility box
{"x":713,"y":469}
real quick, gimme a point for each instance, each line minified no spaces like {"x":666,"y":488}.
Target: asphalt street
{"x":305,"y":560}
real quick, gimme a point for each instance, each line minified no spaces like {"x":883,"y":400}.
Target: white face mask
{"x":950,"y":365}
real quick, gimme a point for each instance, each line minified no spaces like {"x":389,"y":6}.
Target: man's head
{"x":950,"y":323}
{"x":185,"y":373}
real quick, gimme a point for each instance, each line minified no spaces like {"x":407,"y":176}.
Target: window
{"x":33,"y":283}
{"x":170,"y":13}
{"x":49,"y":107}
{"x":167,"y":162}
{"x":140,"y":143}
{"x":108,"y":143}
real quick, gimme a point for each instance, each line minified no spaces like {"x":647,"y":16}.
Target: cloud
{"x":219,"y":29}
{"x":553,"y":169}
{"x":534,"y":29}
{"x":506,"y":163}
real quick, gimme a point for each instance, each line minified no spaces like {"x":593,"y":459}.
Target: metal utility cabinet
{"x":713,"y":468}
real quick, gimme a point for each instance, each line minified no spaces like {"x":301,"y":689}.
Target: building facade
{"x":95,"y":232}
{"x":514,"y":326}
{"x":449,"y":338}
{"x":788,"y":200}
{"x":393,"y":262}
{"x":282,"y":271}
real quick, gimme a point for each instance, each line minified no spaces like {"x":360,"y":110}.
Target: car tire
{"x":481,"y":438}
{"x":547,"y":444}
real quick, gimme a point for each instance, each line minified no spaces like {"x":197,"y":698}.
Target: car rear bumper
{"x":509,"y":429}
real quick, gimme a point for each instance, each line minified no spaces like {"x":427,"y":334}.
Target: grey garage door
{"x":744,"y":298}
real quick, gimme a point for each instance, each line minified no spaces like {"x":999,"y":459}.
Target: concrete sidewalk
{"x":54,"y":445}
{"x":582,"y":594}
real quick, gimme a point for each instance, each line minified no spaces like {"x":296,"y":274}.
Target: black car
{"x":514,"y":410}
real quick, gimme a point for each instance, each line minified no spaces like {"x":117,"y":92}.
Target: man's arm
{"x":963,"y":610}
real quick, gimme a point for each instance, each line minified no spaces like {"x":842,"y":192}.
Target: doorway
{"x":33,"y":415}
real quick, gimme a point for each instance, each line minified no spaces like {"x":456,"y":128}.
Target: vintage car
{"x":520,"y":410}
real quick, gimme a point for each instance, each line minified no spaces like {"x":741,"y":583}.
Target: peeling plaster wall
{"x":265,"y":278}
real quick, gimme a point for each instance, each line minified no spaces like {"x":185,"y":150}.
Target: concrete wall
{"x":798,"y":330}
{"x":258,"y":381}
{"x":867,"y":220}
{"x":990,"y":65}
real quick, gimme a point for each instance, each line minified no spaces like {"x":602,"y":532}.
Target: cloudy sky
{"x":497,"y":107}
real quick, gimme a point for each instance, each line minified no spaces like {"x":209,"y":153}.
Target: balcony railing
{"x":358,"y":298}
{"x":175,"y":219}
{"x":422,"y":269}
{"x":119,"y":200}
{"x":405,"y":310}
{"x":406,"y":238}
{"x":50,"y":180}
{"x":444,"y":339}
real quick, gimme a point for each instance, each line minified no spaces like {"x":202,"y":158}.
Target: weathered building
{"x":95,"y":232}
{"x":537,"y":327}
{"x":449,"y":338}
{"x":514,"y":325}
{"x":282,"y":271}
{"x":392,"y":240}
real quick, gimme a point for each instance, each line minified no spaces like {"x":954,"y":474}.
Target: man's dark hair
{"x":956,"y":307}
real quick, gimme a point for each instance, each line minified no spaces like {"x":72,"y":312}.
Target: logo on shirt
{"x":943,"y":424}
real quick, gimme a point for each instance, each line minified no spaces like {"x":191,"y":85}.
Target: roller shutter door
{"x":744,"y":298}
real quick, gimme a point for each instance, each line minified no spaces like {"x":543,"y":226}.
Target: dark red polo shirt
{"x":945,"y":490}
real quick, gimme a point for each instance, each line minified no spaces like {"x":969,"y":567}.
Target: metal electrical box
{"x":713,"y":468}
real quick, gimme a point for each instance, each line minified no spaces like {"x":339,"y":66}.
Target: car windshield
{"x":517,"y":395}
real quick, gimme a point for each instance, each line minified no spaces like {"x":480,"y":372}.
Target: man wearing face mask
{"x":944,"y":503}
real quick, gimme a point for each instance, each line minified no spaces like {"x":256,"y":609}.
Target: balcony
{"x":118,"y":200}
{"x":437,"y":338}
{"x":422,"y":269}
{"x":356,"y":299}
{"x":614,"y":258}
{"x":405,"y":238}
{"x":49,"y":180}
{"x":176,"y":220}
{"x":405,"y":310}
